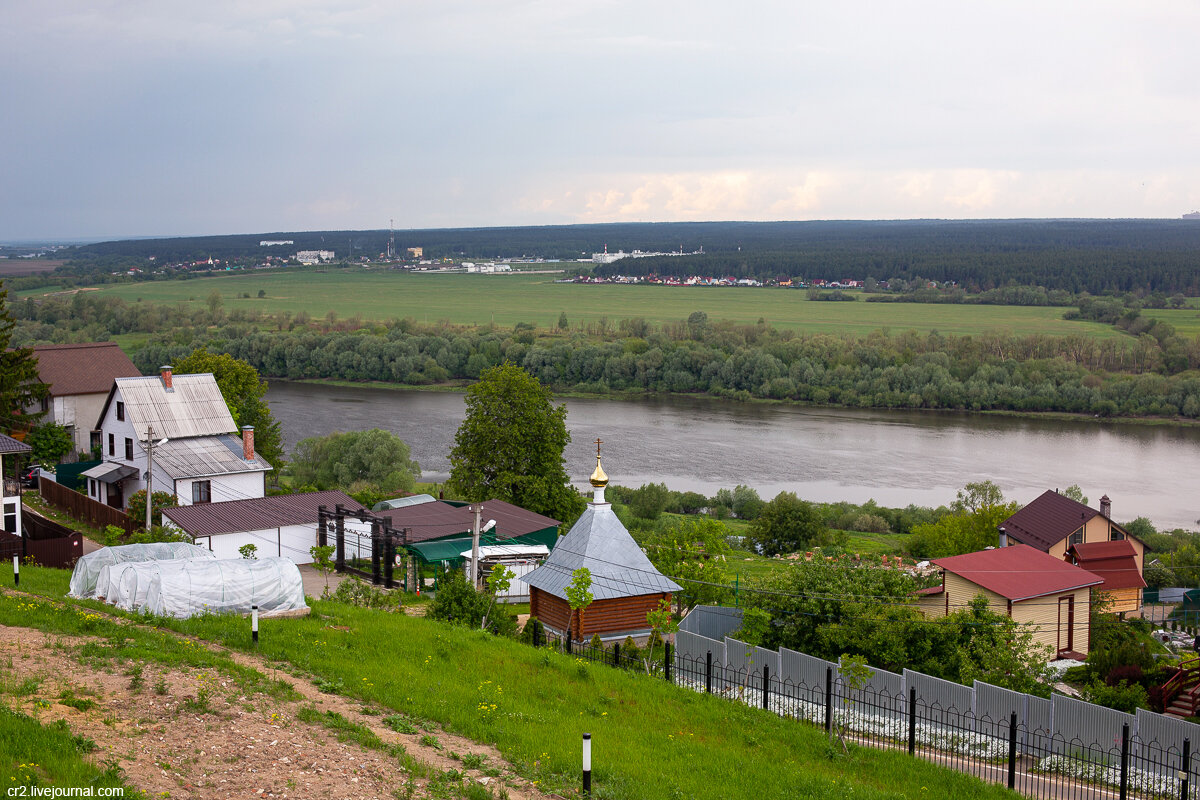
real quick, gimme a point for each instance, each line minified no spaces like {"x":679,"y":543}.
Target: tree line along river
{"x":821,"y":454}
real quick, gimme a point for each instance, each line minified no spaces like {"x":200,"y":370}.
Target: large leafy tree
{"x":971,"y":526}
{"x":20,"y":387}
{"x":355,"y":460}
{"x":243,"y":391}
{"x":787,"y":524}
{"x":510,"y":446}
{"x":693,"y":551}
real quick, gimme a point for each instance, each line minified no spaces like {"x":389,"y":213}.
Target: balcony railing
{"x":11,"y":487}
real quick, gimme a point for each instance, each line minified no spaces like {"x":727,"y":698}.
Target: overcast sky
{"x":161,"y":118}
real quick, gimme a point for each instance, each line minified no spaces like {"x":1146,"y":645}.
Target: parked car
{"x":29,"y":477}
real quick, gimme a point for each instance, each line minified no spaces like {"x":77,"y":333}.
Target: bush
{"x":457,"y":601}
{"x":1122,"y":697}
{"x":137,"y":506}
{"x":533,"y":628}
{"x":355,"y":592}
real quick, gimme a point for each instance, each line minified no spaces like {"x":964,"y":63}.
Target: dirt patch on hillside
{"x":196,"y":733}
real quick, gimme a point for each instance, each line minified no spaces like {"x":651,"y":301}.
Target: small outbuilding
{"x":1117,"y":563}
{"x":1025,"y":584}
{"x":625,"y":585}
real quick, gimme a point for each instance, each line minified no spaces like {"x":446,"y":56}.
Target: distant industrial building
{"x":416,"y":252}
{"x":274,"y":242}
{"x":314,"y":256}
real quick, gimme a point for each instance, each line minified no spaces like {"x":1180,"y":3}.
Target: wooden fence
{"x":45,"y":542}
{"x":84,"y":508}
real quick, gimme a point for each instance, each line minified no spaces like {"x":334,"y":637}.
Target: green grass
{"x":508,"y":299}
{"x":33,"y":754}
{"x":650,"y":739}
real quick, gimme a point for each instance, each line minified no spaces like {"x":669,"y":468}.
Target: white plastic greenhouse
{"x":87,"y":569}
{"x":189,"y":587}
{"x":126,"y":585}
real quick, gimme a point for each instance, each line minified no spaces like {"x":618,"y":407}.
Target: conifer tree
{"x":20,"y":388}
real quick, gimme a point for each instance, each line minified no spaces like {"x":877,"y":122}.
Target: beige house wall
{"x":1097,"y":529}
{"x":1128,"y":599}
{"x":1043,"y":614}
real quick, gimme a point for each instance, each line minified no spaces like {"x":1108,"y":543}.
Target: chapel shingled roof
{"x":599,"y":542}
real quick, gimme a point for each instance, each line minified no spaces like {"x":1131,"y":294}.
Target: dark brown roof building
{"x":85,"y":368}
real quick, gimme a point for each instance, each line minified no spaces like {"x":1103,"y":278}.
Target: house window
{"x":112,"y":445}
{"x":1115,"y":535}
{"x":1077,"y":537}
{"x":91,"y":487}
{"x":10,"y":517}
{"x":201,"y":491}
{"x":128,"y":449}
{"x":120,"y":411}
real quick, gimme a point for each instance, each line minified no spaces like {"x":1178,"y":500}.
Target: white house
{"x":197,"y":455}
{"x":282,"y":525}
{"x":10,"y":489}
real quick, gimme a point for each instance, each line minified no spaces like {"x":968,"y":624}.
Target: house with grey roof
{"x":178,"y":430}
{"x":80,"y":377}
{"x":625,"y":585}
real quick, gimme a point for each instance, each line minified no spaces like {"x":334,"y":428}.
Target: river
{"x":821,"y":454}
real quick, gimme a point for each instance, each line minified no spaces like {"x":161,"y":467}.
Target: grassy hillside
{"x":508,"y":299}
{"x":651,"y":739}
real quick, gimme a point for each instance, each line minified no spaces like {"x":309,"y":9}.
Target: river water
{"x":895,"y":457}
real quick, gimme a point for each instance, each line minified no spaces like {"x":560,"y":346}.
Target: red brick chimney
{"x":248,"y":442}
{"x":1106,"y":506}
{"x":166,"y":376}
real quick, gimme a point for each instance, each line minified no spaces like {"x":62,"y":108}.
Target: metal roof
{"x":205,"y":455}
{"x":11,"y":445}
{"x":599,"y":542}
{"x":260,"y":513}
{"x":193,"y":407}
{"x":109,"y":472}
{"x":1048,"y":520}
{"x":83,"y":368}
{"x":439,"y":520}
{"x":1115,"y":562}
{"x":1019,"y":572}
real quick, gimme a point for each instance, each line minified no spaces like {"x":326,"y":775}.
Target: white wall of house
{"x":236,"y":486}
{"x":78,"y":412}
{"x":10,"y":504}
{"x":290,"y":541}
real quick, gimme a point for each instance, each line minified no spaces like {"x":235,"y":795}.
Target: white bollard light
{"x":587,"y":765}
{"x":254,"y":624}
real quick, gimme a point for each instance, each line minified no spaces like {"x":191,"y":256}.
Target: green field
{"x":508,"y":299}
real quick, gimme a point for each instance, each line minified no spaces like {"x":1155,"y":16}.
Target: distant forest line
{"x":1076,"y":256}
{"x":1151,"y":372}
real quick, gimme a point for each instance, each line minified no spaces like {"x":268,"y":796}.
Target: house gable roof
{"x":193,"y":407}
{"x":1019,"y":572}
{"x":83,"y":368}
{"x":1048,"y":520}
{"x":260,"y":513}
{"x":439,"y":520}
{"x":10,"y":445}
{"x":599,"y":542}
{"x":1115,"y":562}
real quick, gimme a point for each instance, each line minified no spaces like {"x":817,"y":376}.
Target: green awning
{"x":437,"y":550}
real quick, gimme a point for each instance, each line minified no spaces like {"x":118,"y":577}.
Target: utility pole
{"x":477,"y":510}
{"x":149,"y":474}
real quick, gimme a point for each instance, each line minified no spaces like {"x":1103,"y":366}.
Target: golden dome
{"x":599,"y":479}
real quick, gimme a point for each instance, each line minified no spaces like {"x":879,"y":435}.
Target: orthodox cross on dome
{"x":599,"y":480}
